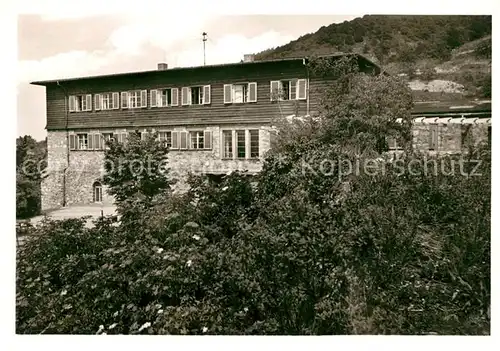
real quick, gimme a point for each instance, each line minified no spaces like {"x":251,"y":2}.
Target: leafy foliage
{"x":390,"y":38}
{"x":30,"y":162}
{"x":304,"y":247}
{"x":136,"y":172}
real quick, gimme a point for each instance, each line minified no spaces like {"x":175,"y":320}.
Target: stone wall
{"x":86,"y":167}
{"x":451,"y":138}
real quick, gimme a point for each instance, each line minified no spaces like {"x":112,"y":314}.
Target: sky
{"x":69,"y":44}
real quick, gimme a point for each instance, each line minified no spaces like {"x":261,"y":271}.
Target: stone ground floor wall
{"x":86,"y":167}
{"x":75,"y":181}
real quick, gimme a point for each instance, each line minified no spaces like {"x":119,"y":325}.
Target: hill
{"x":441,"y":56}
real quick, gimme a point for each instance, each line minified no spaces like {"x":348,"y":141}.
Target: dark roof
{"x":234,"y":64}
{"x":451,"y":107}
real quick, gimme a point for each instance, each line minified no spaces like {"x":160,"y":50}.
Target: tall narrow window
{"x":227,"y":142}
{"x":240,"y":144}
{"x":254,"y":144}
{"x":97,"y":192}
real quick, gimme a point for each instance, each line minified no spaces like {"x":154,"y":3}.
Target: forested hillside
{"x":453,"y":49}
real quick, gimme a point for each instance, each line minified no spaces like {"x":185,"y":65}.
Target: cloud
{"x":159,"y":30}
{"x":64,"y":65}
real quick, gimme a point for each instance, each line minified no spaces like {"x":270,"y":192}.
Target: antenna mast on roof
{"x":204,"y":40}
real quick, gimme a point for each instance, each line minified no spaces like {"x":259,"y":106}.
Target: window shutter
{"x":206,"y":94}
{"x":154,"y":98}
{"x":116,"y":102}
{"x":144,"y":98}
{"x":124,"y":99}
{"x":175,"y":97}
{"x":90,"y":141}
{"x":175,"y":140}
{"x":97,"y":101}
{"x":185,"y":96}
{"x":301,"y":89}
{"x":252,"y":92}
{"x":183,"y":140}
{"x":72,"y":142}
{"x":275,"y":84}
{"x":98,"y":142}
{"x":228,"y":89}
{"x":89,"y":102}
{"x":71,"y":103}
{"x":207,"y":137}
{"x":124,"y":136}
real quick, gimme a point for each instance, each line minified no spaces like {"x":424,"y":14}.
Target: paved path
{"x":77,"y":212}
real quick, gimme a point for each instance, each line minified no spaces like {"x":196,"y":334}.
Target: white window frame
{"x":134,"y":99}
{"x":165,"y":135}
{"x":225,"y":155}
{"x":247,"y":86}
{"x":291,"y":82}
{"x":109,"y":97}
{"x":158,"y":93}
{"x":200,"y":135}
{"x":234,"y":143}
{"x":86,"y":138}
{"x":74,"y":106}
{"x":203,"y":99}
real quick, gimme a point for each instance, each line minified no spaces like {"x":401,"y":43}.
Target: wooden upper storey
{"x":251,"y":92}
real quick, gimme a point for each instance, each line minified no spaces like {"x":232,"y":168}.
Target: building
{"x":449,"y":126}
{"x":215,"y":118}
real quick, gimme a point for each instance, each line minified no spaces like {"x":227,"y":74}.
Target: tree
{"x":30,"y":162}
{"x":136,"y":172}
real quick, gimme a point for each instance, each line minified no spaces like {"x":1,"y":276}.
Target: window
{"x":106,"y":138}
{"x":227,"y":142}
{"x":121,"y":137}
{"x":79,"y":103}
{"x":165,"y":137}
{"x":195,"y":95}
{"x":254,"y":144}
{"x":240,"y":93}
{"x":134,"y":99}
{"x":244,"y":142}
{"x":240,"y":144}
{"x":294,"y":89}
{"x":106,"y":101}
{"x":97,"y":192}
{"x":82,"y":141}
{"x":433,"y":136}
{"x":164,"y":97}
{"x":196,"y":140}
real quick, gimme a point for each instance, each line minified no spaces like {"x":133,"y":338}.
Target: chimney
{"x":162,"y":66}
{"x":248,"y":57}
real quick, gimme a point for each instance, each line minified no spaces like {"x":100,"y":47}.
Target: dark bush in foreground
{"x":305,"y":247}
{"x":394,"y":254}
